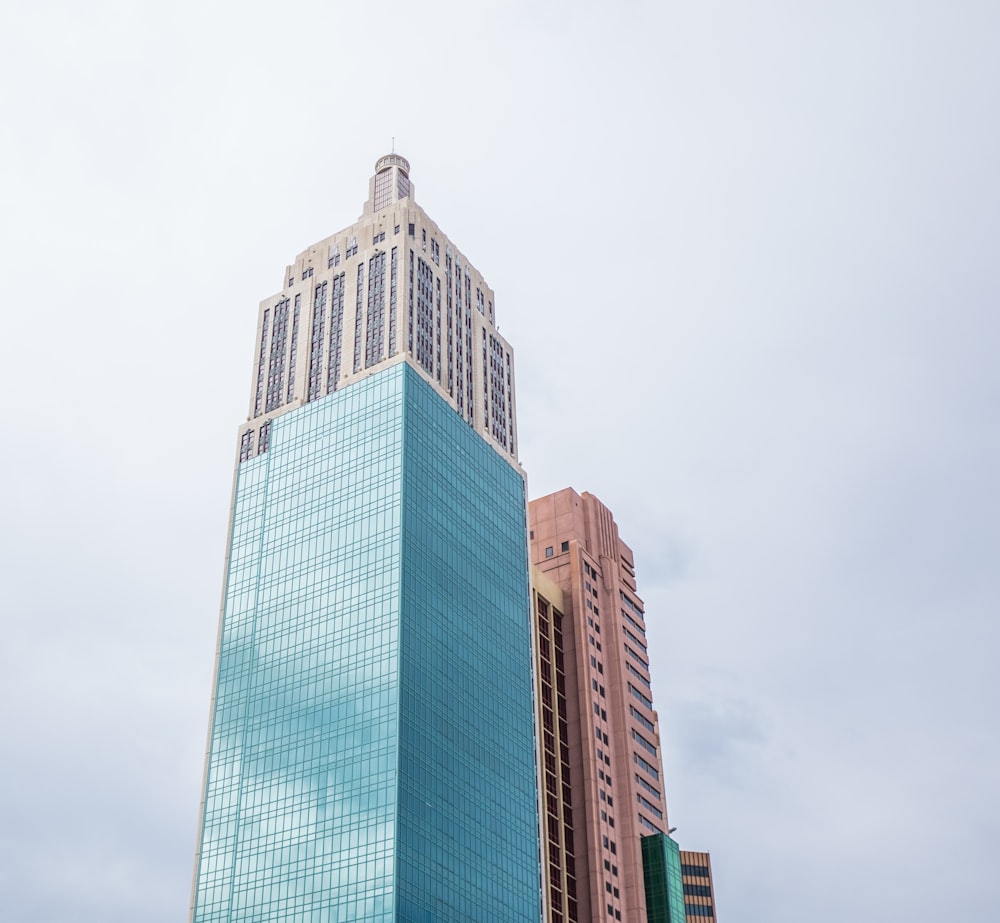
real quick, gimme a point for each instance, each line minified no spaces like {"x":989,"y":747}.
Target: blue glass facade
{"x":372,"y":749}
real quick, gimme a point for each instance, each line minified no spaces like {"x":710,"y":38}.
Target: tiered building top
{"x":389,"y":288}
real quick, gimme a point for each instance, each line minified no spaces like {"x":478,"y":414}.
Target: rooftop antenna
{"x":393,"y":144}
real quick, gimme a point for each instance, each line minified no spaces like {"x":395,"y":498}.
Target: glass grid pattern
{"x":468,"y":828}
{"x":661,"y":872}
{"x":301,"y":789}
{"x":371,"y":755}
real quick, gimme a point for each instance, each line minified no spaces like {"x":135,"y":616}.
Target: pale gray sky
{"x":747,"y":257}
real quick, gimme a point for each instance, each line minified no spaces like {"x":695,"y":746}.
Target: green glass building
{"x":371,"y":749}
{"x":661,"y":872}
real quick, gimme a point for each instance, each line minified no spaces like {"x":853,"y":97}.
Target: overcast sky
{"x":747,"y":257}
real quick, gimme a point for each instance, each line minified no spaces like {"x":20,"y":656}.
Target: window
{"x":276,"y":365}
{"x":259,"y":401}
{"x":383,"y":189}
{"x":565,"y":546}
{"x":336,"y":332}
{"x":696,"y":910}
{"x":412,"y":230}
{"x":697,"y":890}
{"x":641,"y":718}
{"x":375,"y":325}
{"x":628,"y":602}
{"x":548,"y":552}
{"x":634,"y":623}
{"x":635,"y":640}
{"x":649,"y":788}
{"x":649,"y":806}
{"x":642,"y":679}
{"x":642,"y":764}
{"x":246,"y":445}
{"x":651,"y":827}
{"x":647,"y":702}
{"x":294,"y":352}
{"x":695,"y":871}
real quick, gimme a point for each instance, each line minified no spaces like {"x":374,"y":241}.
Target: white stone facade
{"x":389,"y":288}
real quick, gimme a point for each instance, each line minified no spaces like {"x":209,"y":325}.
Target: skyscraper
{"x":601,"y":763}
{"x":371,"y":748}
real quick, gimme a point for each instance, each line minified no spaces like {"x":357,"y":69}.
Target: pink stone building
{"x":599,"y":803}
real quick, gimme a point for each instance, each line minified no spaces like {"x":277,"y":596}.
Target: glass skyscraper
{"x":371,"y":750}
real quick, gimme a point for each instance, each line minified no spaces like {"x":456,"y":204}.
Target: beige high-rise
{"x":613,"y":776}
{"x":390,"y":286}
{"x":699,"y":895}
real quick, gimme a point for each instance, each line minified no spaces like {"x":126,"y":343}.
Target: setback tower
{"x":371,"y":745}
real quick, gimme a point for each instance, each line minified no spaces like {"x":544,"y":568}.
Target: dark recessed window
{"x":696,"y":910}
{"x":565,"y":546}
{"x":698,"y":890}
